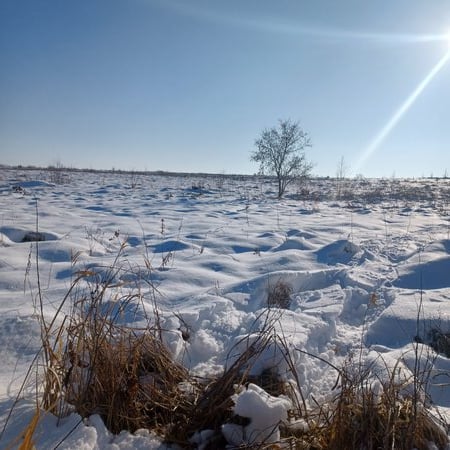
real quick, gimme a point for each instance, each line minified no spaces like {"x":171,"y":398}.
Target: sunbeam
{"x":296,"y":28}
{"x":381,"y":136}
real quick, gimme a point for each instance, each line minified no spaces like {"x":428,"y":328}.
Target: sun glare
{"x":401,"y":111}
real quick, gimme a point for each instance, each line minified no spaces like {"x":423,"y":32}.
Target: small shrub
{"x":440,"y":342}
{"x":33,"y":236}
{"x":279,"y":295}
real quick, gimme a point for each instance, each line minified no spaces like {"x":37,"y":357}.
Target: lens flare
{"x":295,"y":28}
{"x":381,"y":136}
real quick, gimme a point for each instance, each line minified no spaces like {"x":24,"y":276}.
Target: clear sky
{"x":187,"y":85}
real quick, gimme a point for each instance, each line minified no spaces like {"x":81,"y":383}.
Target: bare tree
{"x":280,"y":152}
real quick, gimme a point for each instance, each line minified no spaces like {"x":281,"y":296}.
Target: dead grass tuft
{"x":440,"y":342}
{"x":279,"y":295}
{"x":371,"y":417}
{"x":127,"y":376}
{"x":130,"y":379}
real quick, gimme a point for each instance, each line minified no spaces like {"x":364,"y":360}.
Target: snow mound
{"x":429,"y":275}
{"x":294,"y":244}
{"x":265,"y":413}
{"x":20,"y":235}
{"x":397,"y":325}
{"x":338,"y":252}
{"x":170,"y":246}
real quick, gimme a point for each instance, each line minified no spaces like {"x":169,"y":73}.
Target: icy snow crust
{"x":358,"y":272}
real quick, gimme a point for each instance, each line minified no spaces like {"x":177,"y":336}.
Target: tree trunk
{"x":281,"y":187}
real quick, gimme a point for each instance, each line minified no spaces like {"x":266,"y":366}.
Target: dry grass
{"x":130,"y":379}
{"x":95,"y":365}
{"x":99,"y":366}
{"x":28,"y":442}
{"x":370,"y":416}
{"x":440,"y":342}
{"x":279,"y":295}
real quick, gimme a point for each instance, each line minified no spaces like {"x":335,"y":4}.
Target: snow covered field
{"x":368,"y":275}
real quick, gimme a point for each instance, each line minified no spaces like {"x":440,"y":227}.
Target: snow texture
{"x":366,"y":277}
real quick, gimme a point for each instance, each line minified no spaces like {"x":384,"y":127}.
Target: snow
{"x":265,"y":413}
{"x":373,"y":273}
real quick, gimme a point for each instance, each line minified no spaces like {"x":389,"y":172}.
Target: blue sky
{"x":188,"y":85}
